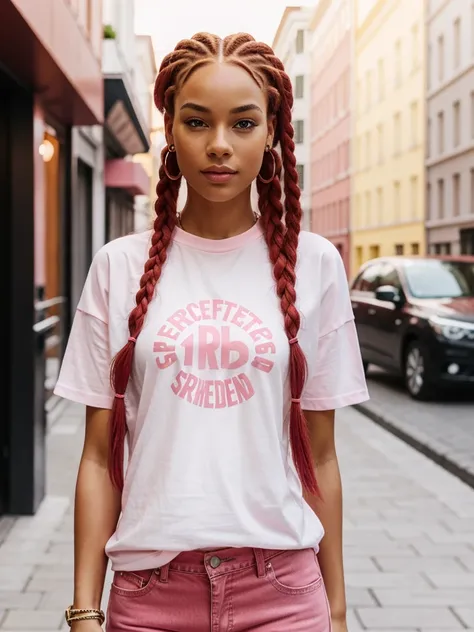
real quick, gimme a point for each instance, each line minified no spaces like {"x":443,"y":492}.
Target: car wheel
{"x":416,"y":379}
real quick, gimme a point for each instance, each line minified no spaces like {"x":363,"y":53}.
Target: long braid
{"x":280,"y":222}
{"x":165,"y":222}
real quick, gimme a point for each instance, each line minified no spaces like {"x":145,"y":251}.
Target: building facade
{"x":450,"y":135}
{"x":291,"y":45}
{"x":331,"y":44}
{"x":49,"y":84}
{"x":126,"y":130}
{"x":389,"y":129}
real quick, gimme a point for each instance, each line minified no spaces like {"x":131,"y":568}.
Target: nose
{"x":219,"y":145}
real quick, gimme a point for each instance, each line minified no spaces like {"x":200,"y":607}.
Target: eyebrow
{"x":242,"y":108}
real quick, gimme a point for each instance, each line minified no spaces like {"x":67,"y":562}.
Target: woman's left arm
{"x":329,"y":511}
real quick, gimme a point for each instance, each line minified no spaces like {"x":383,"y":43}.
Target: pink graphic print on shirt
{"x":207,"y":336}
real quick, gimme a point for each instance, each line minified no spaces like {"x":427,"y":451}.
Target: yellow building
{"x":388,"y":188}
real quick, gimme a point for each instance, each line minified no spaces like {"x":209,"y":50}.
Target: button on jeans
{"x":230,"y":590}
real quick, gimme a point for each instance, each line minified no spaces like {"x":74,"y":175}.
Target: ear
{"x":271,"y":129}
{"x":169,"y":129}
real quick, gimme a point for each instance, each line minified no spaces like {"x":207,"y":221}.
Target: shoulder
{"x":124,"y":249}
{"x":315,"y":250}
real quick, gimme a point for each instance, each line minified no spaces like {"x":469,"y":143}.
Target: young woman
{"x":232,"y":341}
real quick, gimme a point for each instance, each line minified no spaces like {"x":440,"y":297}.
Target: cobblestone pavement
{"x":443,"y":429}
{"x":409,"y":537}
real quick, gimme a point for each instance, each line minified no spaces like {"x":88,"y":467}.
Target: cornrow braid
{"x":280,"y":223}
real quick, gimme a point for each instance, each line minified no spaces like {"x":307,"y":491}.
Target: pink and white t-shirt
{"x":209,"y":463}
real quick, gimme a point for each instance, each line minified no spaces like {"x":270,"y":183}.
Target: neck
{"x":217,"y":220}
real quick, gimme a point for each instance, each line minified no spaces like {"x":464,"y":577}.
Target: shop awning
{"x":127,"y":175}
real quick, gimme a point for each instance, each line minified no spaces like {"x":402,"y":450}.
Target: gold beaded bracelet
{"x":83,"y":614}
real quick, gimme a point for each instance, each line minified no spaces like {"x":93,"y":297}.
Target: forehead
{"x":221,"y":85}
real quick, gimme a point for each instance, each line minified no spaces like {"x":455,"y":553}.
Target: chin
{"x":219,"y":193}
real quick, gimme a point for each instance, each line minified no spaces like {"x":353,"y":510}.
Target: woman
{"x":239,"y":325}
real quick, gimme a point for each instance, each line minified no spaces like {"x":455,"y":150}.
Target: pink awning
{"x":124,"y":174}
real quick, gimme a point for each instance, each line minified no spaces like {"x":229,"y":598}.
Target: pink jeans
{"x":231,"y":590}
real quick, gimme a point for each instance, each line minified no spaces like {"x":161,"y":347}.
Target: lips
{"x":219,"y":174}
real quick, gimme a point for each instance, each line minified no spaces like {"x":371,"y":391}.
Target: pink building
{"x":331,"y":123}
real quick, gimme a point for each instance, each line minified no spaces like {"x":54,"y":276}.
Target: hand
{"x":339,"y":625}
{"x":89,"y":625}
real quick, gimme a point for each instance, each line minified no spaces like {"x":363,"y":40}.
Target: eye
{"x":195,"y":123}
{"x":245,"y":124}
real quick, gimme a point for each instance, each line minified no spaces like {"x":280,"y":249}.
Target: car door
{"x":362,"y":297}
{"x":387,"y":320}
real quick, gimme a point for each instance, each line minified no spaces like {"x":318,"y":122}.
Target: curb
{"x":440,"y":459}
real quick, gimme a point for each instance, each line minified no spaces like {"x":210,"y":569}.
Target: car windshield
{"x":439,"y":279}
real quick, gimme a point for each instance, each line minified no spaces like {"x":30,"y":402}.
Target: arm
{"x":97,"y":509}
{"x":329,"y":511}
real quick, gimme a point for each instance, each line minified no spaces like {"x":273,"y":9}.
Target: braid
{"x":281,"y":223}
{"x":165,"y":222}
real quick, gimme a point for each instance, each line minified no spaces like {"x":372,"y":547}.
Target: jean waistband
{"x":219,"y":562}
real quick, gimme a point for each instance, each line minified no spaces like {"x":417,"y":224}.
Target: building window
{"x":299,"y":131}
{"x":428,"y":199}
{"x":440,"y":198}
{"x":428,"y":139}
{"x":456,"y":194}
{"x":374,"y":251}
{"x":396,"y":200}
{"x":442,"y":249}
{"x":397,"y":133}
{"x":381,"y":79}
{"x":415,"y":43}
{"x":457,"y":42}
{"x":368,"y":209}
{"x":456,"y":123}
{"x":440,"y":58}
{"x":300,"y":171}
{"x":415,"y":249}
{"x":398,"y":63}
{"x":299,"y":87}
{"x":414,"y":123}
{"x":440,"y":132}
{"x":414,"y":196}
{"x":379,"y":209}
{"x":380,"y":143}
{"x":300,"y":41}
{"x":368,"y":150}
{"x":399,"y":249}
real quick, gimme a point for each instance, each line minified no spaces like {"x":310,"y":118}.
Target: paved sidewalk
{"x":409,"y":537}
{"x":442,"y":429}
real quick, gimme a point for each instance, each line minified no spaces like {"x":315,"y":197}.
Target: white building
{"x":291,"y":45}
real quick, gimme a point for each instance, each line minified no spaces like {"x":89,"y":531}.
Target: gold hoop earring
{"x":265,"y":180}
{"x":171,"y":150}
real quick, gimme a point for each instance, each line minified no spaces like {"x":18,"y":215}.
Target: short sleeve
{"x":335,"y":372}
{"x":85,"y":372}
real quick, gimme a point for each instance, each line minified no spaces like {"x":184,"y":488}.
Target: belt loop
{"x":164,"y":572}
{"x":260,"y":560}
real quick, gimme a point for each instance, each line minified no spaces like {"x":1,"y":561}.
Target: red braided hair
{"x":281,"y":223}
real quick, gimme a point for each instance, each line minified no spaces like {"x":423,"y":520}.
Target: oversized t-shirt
{"x":208,"y":462}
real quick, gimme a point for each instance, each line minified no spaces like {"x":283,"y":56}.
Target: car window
{"x":368,"y":279}
{"x":389,"y":276}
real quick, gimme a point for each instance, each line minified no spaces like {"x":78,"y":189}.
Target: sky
{"x":169,"y":21}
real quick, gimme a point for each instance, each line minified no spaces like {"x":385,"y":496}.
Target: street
{"x":409,"y":541}
{"x":442,"y":428}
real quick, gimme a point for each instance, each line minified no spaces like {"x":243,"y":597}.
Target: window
{"x":374,"y":251}
{"x":368,"y":152}
{"x":467,"y":245}
{"x":300,"y":171}
{"x":415,"y":249}
{"x":300,"y":41}
{"x":428,"y":139}
{"x":456,"y":123}
{"x":428,"y":200}
{"x":379,"y":209}
{"x":440,"y":198}
{"x":442,"y":248}
{"x":381,"y":79}
{"x":299,"y":87}
{"x":368,"y":209}
{"x":413,"y":196}
{"x":380,"y":143}
{"x":399,"y":249}
{"x":414,"y":123}
{"x":398,"y":63}
{"x":440,"y":58}
{"x":456,"y":194}
{"x":369,"y":89}
{"x":389,"y":276}
{"x":440,"y":132}
{"x":299,"y":131}
{"x":396,"y":199}
{"x":414,"y":46}
{"x":359,"y":256}
{"x":397,"y":132}
{"x":368,"y":280}
{"x":457,"y":42}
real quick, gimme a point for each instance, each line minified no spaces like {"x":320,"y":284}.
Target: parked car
{"x":415,"y":317}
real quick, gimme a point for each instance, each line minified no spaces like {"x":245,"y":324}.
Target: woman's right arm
{"x":97,"y":509}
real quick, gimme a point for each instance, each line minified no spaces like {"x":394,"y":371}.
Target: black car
{"x":415,"y":317}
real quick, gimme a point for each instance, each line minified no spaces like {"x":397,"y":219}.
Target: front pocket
{"x":295,"y":572}
{"x":133,"y":584}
